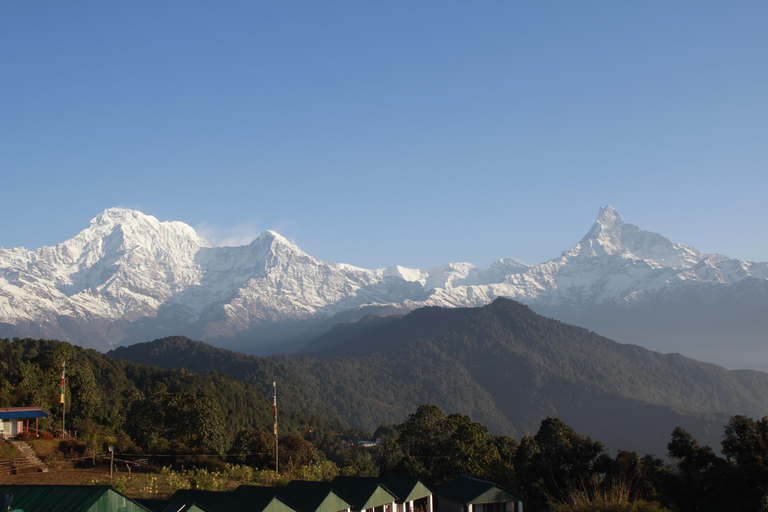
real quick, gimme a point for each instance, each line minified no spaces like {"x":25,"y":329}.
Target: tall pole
{"x":111,"y":462}
{"x":63,"y":405}
{"x":274,"y":407}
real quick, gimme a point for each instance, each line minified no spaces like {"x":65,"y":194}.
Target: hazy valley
{"x":129,"y":278}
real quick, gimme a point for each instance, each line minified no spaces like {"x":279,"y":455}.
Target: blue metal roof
{"x":15,"y":415}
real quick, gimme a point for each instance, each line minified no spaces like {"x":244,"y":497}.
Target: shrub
{"x":72,"y":449}
{"x":239,"y":472}
{"x":269,"y":478}
{"x":208,"y":481}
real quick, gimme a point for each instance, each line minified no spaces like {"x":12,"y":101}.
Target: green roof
{"x":69,"y":498}
{"x":170,"y":506}
{"x":362,"y":496}
{"x":406,"y":489}
{"x":220,"y":501}
{"x":467,"y":490}
{"x":313,"y":499}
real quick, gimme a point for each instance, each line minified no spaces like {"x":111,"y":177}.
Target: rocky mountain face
{"x":129,"y":278}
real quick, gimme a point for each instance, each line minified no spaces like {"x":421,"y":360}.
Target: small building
{"x":412,"y":495}
{"x":467,"y":494}
{"x":15,"y":420}
{"x":69,"y":498}
{"x":316,"y":499}
{"x":364,"y":497}
{"x":222,"y":501}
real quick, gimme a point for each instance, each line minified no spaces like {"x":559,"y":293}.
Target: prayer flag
{"x":63,"y":368}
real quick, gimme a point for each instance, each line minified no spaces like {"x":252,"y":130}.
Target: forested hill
{"x":163,"y":410}
{"x":503,"y":365}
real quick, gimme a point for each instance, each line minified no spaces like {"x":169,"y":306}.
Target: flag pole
{"x":274,"y":407}
{"x":63,"y":405}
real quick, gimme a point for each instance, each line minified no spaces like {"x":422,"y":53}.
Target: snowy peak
{"x":117,"y":216}
{"x":609,"y":219}
{"x":606,"y":231}
{"x":140,"y":230}
{"x":148,"y":278}
{"x":276,"y":251}
{"x":275,"y":242}
{"x":611,"y":235}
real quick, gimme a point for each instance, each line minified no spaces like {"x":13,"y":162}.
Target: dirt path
{"x":67,"y":476}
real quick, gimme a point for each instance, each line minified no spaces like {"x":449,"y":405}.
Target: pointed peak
{"x":274,"y":240}
{"x":608,"y":221}
{"x":272,"y":236}
{"x":608,"y":217}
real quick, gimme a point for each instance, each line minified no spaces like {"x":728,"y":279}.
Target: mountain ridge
{"x":502,"y":364}
{"x":129,"y":277}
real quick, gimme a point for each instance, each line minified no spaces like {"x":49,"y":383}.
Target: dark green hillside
{"x":110,"y":395}
{"x":346,"y":331}
{"x":294,"y":390}
{"x":503,"y":365}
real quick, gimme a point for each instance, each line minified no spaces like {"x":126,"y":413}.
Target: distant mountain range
{"x":502,"y":364}
{"x":129,"y":278}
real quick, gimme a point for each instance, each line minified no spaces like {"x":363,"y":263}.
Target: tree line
{"x":141,"y":408}
{"x":558,"y":469}
{"x":145,"y":409}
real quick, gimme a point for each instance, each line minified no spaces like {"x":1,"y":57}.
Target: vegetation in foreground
{"x":211,"y":432}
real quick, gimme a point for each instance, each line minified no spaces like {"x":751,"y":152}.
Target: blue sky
{"x":382,"y":133}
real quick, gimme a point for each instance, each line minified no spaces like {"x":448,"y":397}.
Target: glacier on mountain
{"x":129,"y":277}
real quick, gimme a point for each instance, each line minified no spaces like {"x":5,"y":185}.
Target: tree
{"x":388,"y":457}
{"x":436,"y":448}
{"x":195,"y":421}
{"x":566,"y":457}
{"x":423,"y":431}
{"x":255,"y":448}
{"x":83,"y":392}
{"x":746,"y":446}
{"x":294,"y":452}
{"x":146,"y":424}
{"x":703,"y":479}
{"x":357,"y":462}
{"x":178,"y":422}
{"x":468,"y":450}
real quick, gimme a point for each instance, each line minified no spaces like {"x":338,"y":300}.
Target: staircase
{"x":30,"y":457}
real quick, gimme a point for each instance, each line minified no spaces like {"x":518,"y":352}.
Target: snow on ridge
{"x":127,"y":265}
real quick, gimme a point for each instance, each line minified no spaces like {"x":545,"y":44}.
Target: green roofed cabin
{"x":169,"y":506}
{"x":69,"y":498}
{"x":365,"y":496}
{"x":412,"y":495}
{"x":12,"y":419}
{"x":467,"y":494}
{"x":222,"y":501}
{"x":315,"y":499}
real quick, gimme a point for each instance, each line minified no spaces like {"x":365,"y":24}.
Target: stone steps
{"x":29,"y":455}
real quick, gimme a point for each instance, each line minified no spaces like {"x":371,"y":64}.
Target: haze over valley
{"x":129,"y":278}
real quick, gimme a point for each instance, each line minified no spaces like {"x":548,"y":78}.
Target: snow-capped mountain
{"x":129,"y":277}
